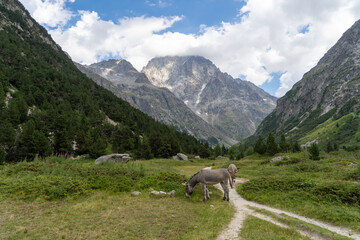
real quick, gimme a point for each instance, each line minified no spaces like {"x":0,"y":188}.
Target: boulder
{"x":135,"y":193}
{"x":156,"y":193}
{"x":115,"y":158}
{"x":279,"y":158}
{"x":197,"y":157}
{"x":180,"y":156}
{"x":172,"y":193}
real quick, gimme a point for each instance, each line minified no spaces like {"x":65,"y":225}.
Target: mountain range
{"x":120,"y":77}
{"x":190,"y":93}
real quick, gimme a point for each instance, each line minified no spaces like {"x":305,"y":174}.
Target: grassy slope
{"x":108,"y":212}
{"x":336,"y":131}
{"x":325,"y":189}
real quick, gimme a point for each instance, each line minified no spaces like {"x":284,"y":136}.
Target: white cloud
{"x":267,"y":37}
{"x":49,"y":12}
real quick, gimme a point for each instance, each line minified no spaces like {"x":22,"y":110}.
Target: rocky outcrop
{"x":115,"y":158}
{"x":234,"y":106}
{"x":125,"y":82}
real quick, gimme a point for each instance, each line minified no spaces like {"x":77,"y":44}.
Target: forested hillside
{"x":49,"y":107}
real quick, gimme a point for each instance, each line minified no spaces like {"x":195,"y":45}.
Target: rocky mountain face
{"x":234,"y":106}
{"x":120,"y":77}
{"x":327,"y":92}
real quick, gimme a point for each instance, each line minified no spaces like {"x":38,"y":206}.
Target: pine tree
{"x":271,"y":145}
{"x":224,"y":150}
{"x":260,"y":147}
{"x":218,"y":151}
{"x":2,"y":98}
{"x":314,"y":152}
{"x":2,"y":155}
{"x":329,"y":147}
{"x":283,"y":145}
{"x":7,"y":133}
{"x":98,"y":144}
{"x":296,"y":147}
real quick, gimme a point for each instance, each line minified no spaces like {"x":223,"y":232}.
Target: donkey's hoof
{"x":224,"y":198}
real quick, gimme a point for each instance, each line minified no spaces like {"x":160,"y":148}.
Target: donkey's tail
{"x":231,"y":181}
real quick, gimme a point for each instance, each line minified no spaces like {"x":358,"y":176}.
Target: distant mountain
{"x":120,"y":77}
{"x":234,"y":106}
{"x":47,"y":106}
{"x":325,"y":103}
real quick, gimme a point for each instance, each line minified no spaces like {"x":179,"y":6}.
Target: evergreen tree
{"x":271,"y":145}
{"x":98,"y":144}
{"x":314,"y":152}
{"x":62,"y":142}
{"x":336,"y":147}
{"x":33,"y":142}
{"x":13,"y":112}
{"x":283,"y":145}
{"x":224,"y":150}
{"x":296,"y":147}
{"x":7,"y":133}
{"x":2,"y":155}
{"x":240,"y":155}
{"x":2,"y":98}
{"x":83,"y":137}
{"x":218,"y":150}
{"x":22,"y":107}
{"x":329,"y":147}
{"x":260,"y":146}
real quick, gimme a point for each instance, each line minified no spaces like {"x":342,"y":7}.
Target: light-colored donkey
{"x":207,"y":176}
{"x":232,"y":169}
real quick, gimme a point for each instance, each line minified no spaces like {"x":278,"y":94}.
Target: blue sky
{"x":270,"y":43}
{"x":195,"y":12}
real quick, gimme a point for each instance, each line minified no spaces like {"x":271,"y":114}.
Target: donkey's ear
{"x":184,"y":184}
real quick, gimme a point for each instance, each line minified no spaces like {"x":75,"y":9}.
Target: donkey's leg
{"x":207,"y":194}
{"x":224,"y":188}
{"x":204,"y":191}
{"x":226,"y":191}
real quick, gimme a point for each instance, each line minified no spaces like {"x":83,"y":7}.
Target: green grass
{"x":326,"y":189}
{"x":257,"y":229}
{"x":75,"y":199}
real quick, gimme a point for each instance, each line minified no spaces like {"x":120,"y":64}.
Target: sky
{"x":270,"y":43}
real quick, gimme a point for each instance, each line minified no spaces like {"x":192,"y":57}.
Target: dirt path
{"x":243,"y":210}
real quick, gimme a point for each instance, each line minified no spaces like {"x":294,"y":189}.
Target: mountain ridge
{"x":134,"y":87}
{"x":213,"y":95}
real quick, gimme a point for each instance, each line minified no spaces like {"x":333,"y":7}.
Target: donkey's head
{"x":189,"y":189}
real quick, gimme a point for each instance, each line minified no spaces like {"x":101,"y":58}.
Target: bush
{"x":47,"y":187}
{"x":163,"y":181}
{"x":338,"y":192}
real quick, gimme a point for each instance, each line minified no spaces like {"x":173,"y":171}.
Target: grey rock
{"x":135,"y":193}
{"x":278,"y":158}
{"x":156,"y":193}
{"x":162,"y":193}
{"x":115,"y":158}
{"x":151,"y":189}
{"x":176,"y":158}
{"x":197,"y":157}
{"x":172,"y":193}
{"x":352,"y":164}
{"x":182,"y":156}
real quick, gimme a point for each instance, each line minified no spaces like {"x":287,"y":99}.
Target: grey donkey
{"x":207,"y":176}
{"x":232,"y":169}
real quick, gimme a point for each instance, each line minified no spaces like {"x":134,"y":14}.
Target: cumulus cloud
{"x":268,"y":36}
{"x":51,"y":13}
